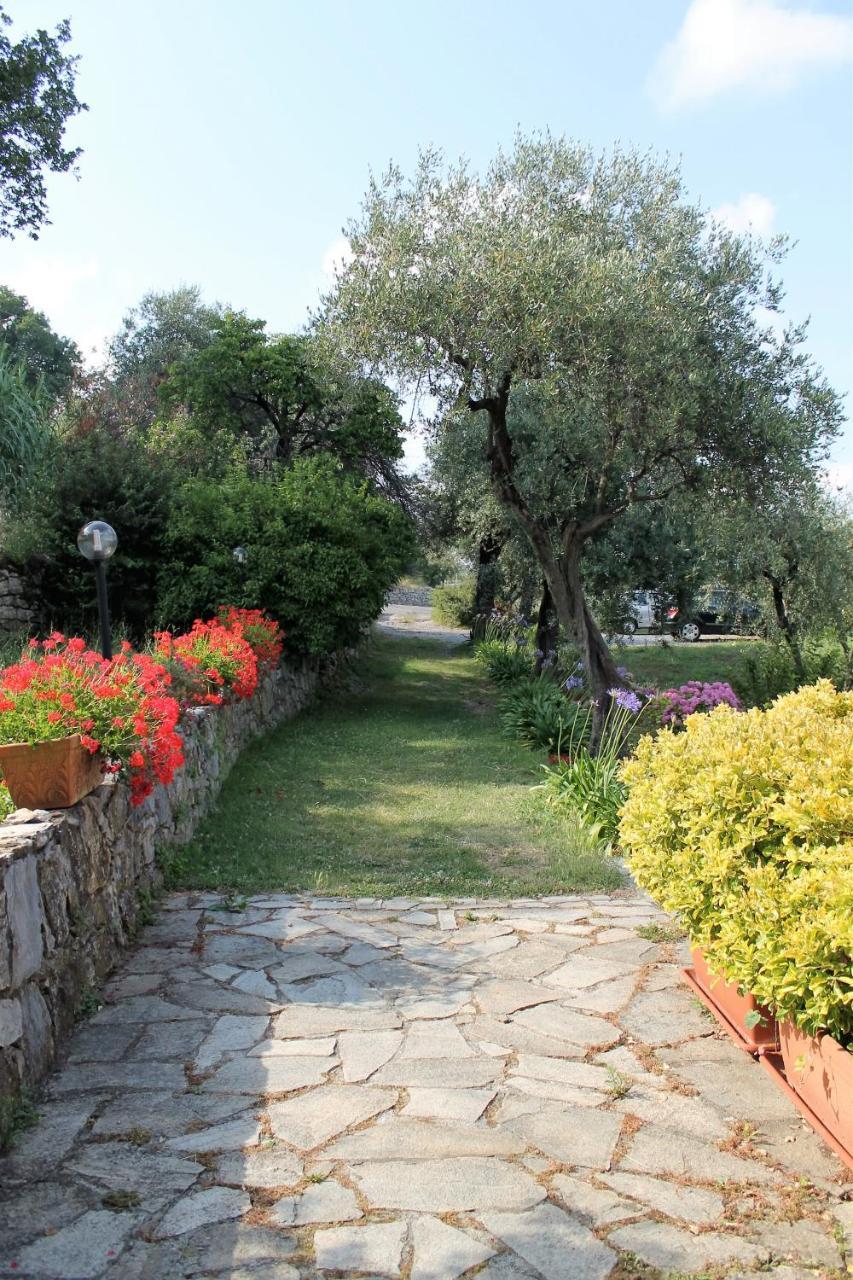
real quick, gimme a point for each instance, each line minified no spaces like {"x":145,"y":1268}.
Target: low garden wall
{"x":409,"y":595}
{"x":74,"y":881}
{"x":18,"y":602}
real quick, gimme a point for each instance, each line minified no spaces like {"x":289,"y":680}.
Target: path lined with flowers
{"x":414,"y":1088}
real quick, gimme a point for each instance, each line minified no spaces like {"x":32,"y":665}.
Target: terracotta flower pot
{"x":50,"y":775}
{"x":738,"y":1011}
{"x":820,"y":1072}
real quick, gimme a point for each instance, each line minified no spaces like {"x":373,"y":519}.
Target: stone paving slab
{"x":422,"y":1089}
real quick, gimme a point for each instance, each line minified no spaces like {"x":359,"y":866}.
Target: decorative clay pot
{"x":820,"y":1072}
{"x":50,"y":775}
{"x":737,"y":1010}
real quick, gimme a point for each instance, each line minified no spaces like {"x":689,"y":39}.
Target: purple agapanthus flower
{"x":627,"y":699}
{"x":574,"y":682}
{"x":537,"y":653}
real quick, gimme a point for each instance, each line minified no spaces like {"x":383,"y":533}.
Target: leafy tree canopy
{"x":37,"y":99}
{"x":793,"y":549}
{"x":279,"y":392}
{"x":26,"y":334}
{"x":604,"y":330}
{"x":160,"y":330}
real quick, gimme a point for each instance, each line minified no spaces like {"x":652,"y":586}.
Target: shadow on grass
{"x":403,"y":785}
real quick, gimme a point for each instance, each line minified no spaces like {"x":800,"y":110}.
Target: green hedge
{"x":453,"y":604}
{"x":323,"y":550}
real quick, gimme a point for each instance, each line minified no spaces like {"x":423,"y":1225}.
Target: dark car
{"x":720,"y":614}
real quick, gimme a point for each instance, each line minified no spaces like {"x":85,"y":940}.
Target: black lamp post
{"x":97,"y":541}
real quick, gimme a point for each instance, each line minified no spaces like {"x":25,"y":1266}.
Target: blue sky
{"x":226,"y":145}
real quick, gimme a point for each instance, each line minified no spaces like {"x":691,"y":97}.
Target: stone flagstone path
{"x":414,"y":1089}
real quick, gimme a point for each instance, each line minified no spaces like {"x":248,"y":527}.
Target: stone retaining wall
{"x":410,"y":595}
{"x":18,"y":610}
{"x":74,"y":881}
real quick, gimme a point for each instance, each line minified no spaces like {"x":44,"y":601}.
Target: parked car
{"x":644,"y":613}
{"x":718,"y":614}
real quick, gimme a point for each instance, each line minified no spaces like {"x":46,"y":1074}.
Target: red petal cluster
{"x":263,"y":635}
{"x":120,"y":707}
{"x":125,"y":708}
{"x":216,"y":659}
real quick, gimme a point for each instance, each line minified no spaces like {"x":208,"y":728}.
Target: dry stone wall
{"x":18,"y":609}
{"x":74,"y":881}
{"x":410,"y":595}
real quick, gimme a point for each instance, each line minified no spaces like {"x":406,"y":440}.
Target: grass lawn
{"x":667,"y":665}
{"x":401,"y":784}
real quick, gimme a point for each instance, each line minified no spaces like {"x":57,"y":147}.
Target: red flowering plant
{"x":119,"y":707}
{"x":209,"y":662}
{"x":261,"y":632}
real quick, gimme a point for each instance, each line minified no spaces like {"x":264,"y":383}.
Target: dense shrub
{"x":588,"y":789}
{"x":743,"y":825}
{"x":504,"y":661}
{"x":323,"y":550}
{"x":768,"y":670}
{"x":96,"y":476}
{"x":536,"y":711}
{"x":453,"y":604}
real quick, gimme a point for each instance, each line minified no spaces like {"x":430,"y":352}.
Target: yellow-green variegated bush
{"x":743,"y":825}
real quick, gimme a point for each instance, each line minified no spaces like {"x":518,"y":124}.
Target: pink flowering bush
{"x":696,"y":695}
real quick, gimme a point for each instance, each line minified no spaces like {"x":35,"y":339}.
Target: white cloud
{"x":755,"y":44}
{"x":49,"y":284}
{"x":751,"y":213}
{"x":337,"y":255}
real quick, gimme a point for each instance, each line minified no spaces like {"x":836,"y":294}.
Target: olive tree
{"x":793,"y":549}
{"x":603,"y":329}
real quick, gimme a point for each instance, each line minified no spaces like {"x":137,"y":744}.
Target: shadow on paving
{"x":506,"y":1089}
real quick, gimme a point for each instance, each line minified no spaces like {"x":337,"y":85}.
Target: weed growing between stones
{"x":618,"y":1085}
{"x":654,"y":932}
{"x":233,"y":902}
{"x":138,"y":1136}
{"x":88,"y":1004}
{"x":17,"y":1113}
{"x":144,"y":908}
{"x":121,"y":1201}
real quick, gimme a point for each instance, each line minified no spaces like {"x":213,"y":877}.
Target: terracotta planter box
{"x":50,"y":775}
{"x":736,"y":1011}
{"x":820,"y":1072}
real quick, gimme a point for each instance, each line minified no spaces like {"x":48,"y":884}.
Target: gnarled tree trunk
{"x":786,"y":626}
{"x":561,"y":571}
{"x":488,"y":553}
{"x":547,"y":627}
